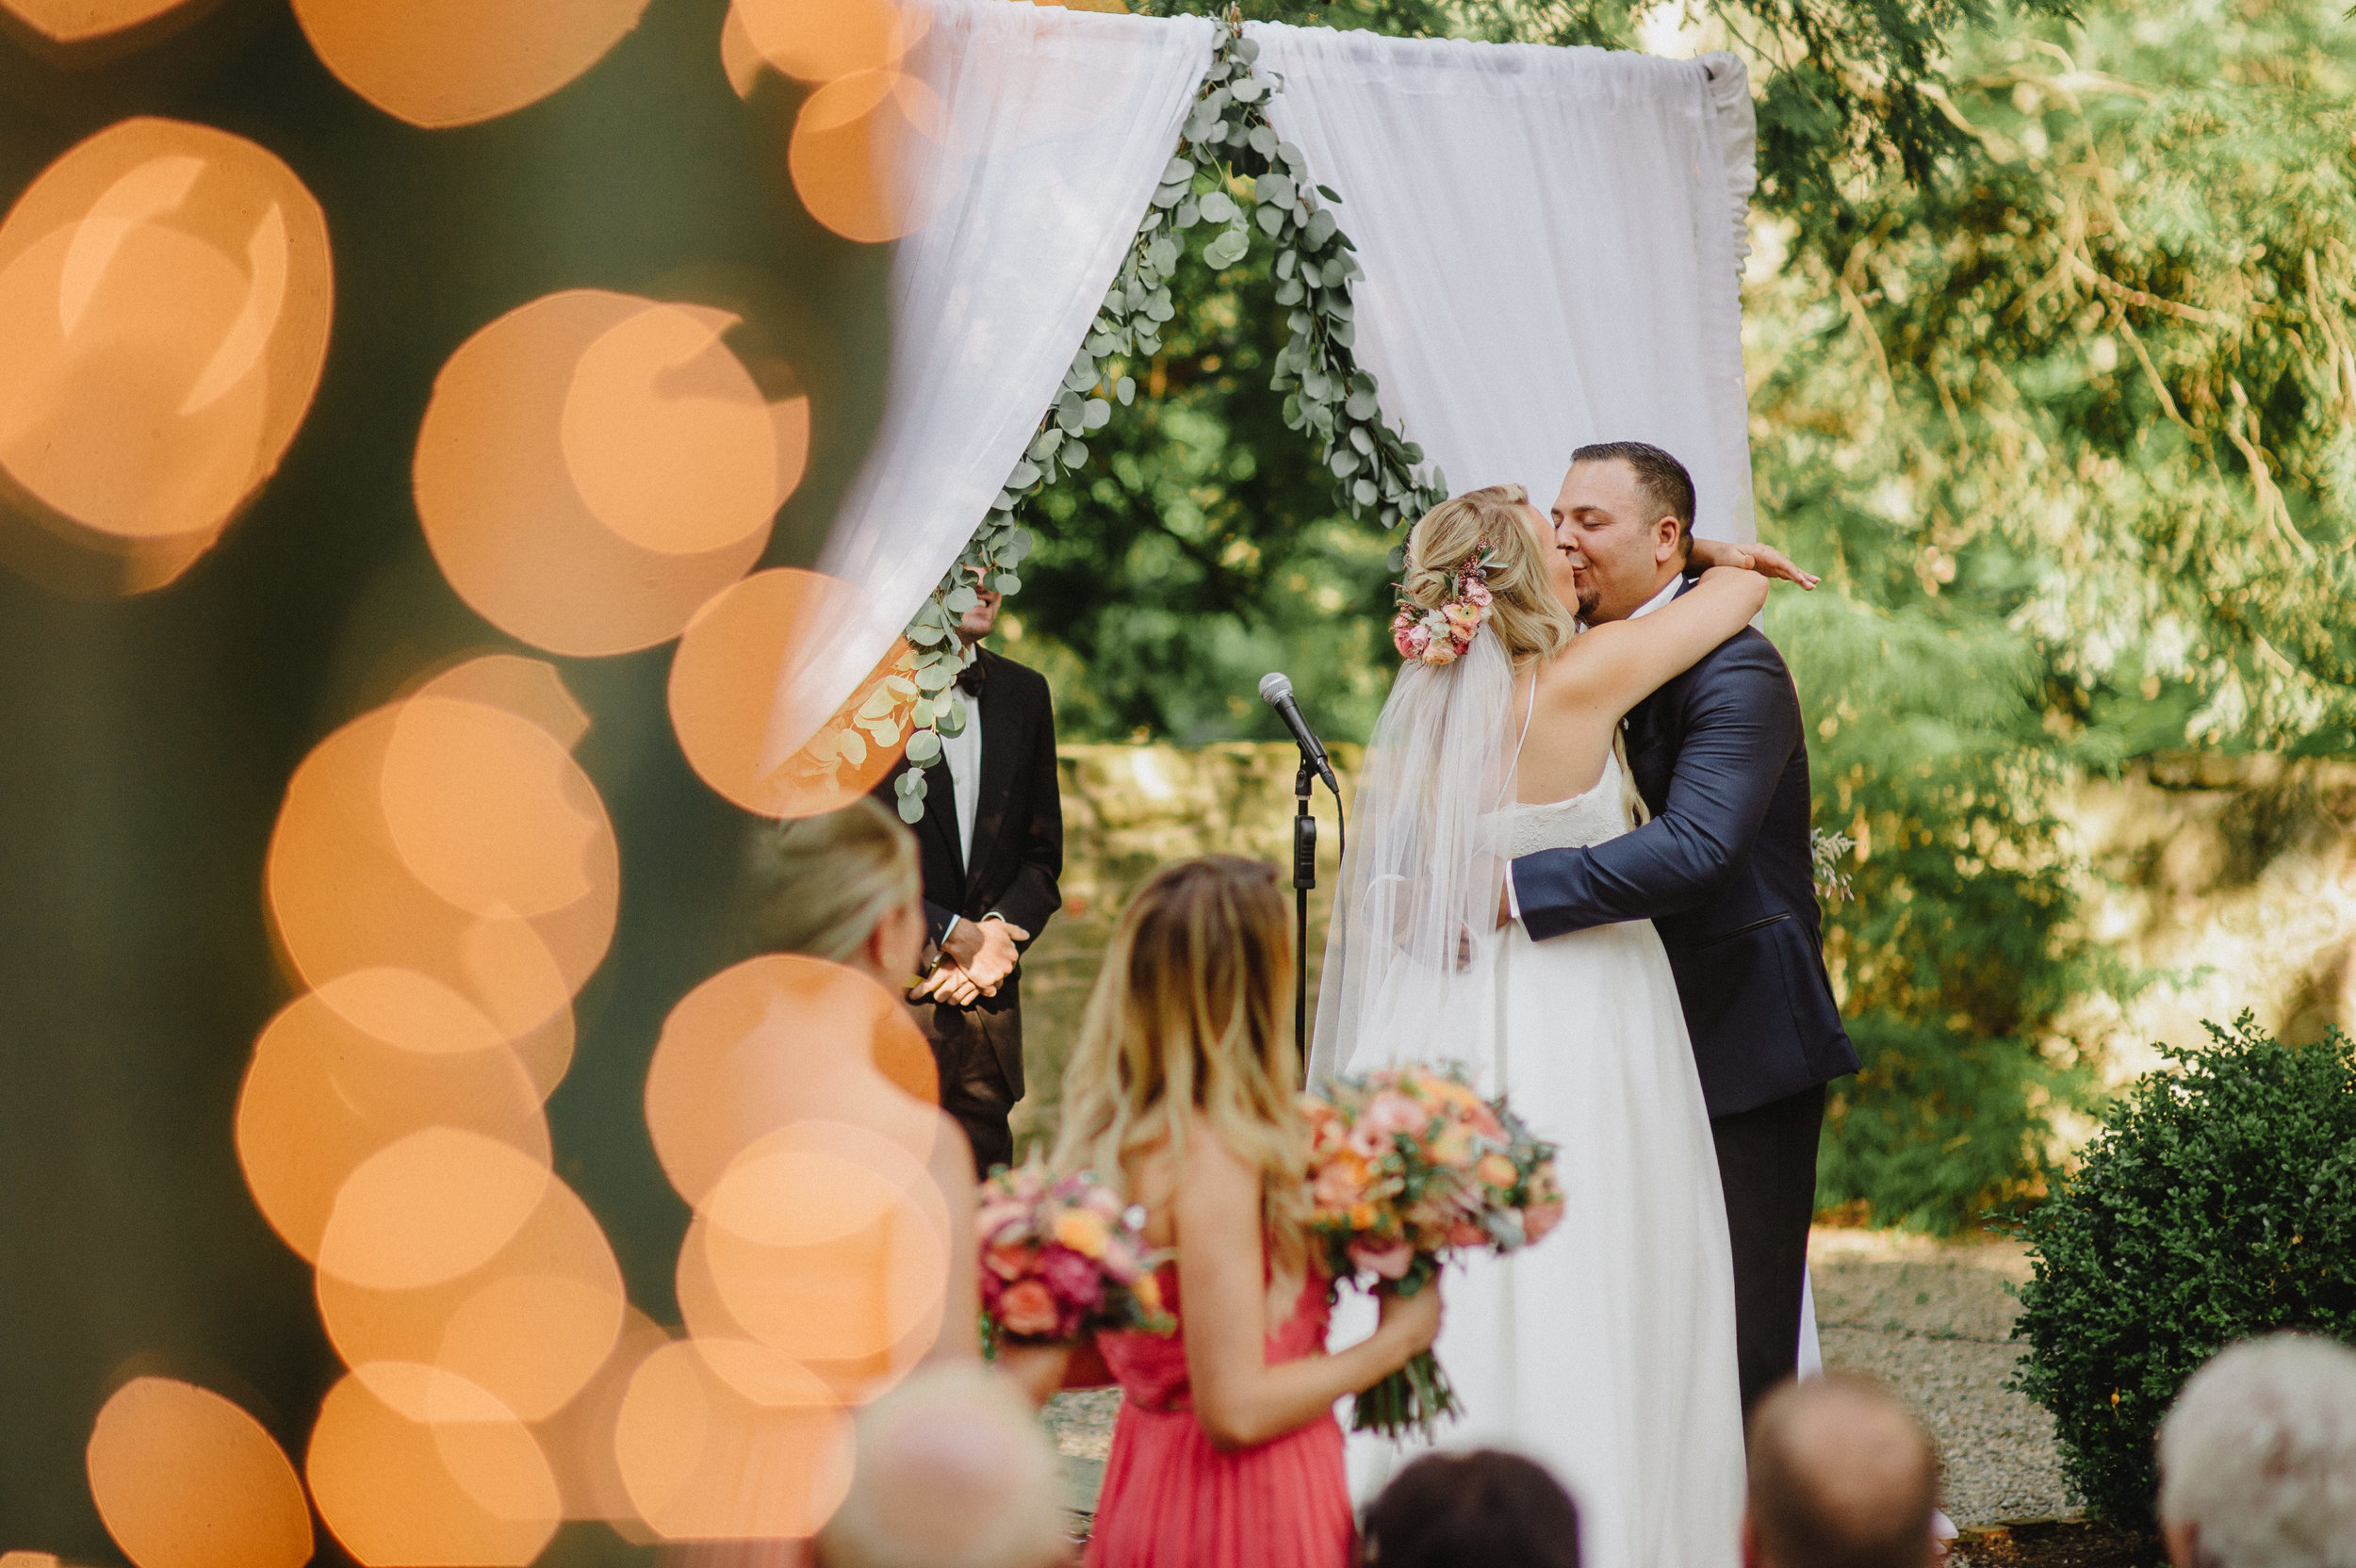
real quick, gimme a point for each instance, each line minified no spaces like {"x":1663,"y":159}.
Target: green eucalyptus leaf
{"x":1263,"y":141}
{"x":1364,"y":492}
{"x":1096,"y":414}
{"x":1343,"y":462}
{"x":1177,"y":171}
{"x":1275,"y":190}
{"x":1360,"y":439}
{"x":1043,"y":449}
{"x":924,"y":750}
{"x":1329,"y":193}
{"x":1291,"y":155}
{"x":1188,"y":213}
{"x":1007,"y":582}
{"x":1250,"y":91}
{"x":1217,"y":207}
{"x":1169,"y":195}
{"x":1071,"y":413}
{"x":911,"y":807}
{"x":1346,"y":333}
{"x":1361,"y":406}
{"x":1023,"y":476}
{"x":1075,"y":455}
{"x":951,"y":720}
{"x":1271,"y":220}
{"x":1126,"y":390}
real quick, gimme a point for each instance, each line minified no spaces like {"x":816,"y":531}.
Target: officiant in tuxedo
{"x":1723,"y":872}
{"x":992,"y":840}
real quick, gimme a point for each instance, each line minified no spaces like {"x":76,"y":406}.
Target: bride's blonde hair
{"x":1526,"y":615}
{"x":1191,"y":1012}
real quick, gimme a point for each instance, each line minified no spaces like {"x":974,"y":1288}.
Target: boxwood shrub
{"x":2217,"y":1202}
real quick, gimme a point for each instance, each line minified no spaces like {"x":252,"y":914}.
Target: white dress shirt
{"x":1668,"y":592}
{"x":963,"y":753}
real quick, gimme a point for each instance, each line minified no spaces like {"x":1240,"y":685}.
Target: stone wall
{"x":2227,"y":882}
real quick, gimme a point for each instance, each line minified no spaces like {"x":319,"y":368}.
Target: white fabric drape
{"x":1552,"y":240}
{"x":1061,"y":125}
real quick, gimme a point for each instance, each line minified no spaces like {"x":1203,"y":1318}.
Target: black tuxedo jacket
{"x":1723,"y":871}
{"x":1018,"y":839}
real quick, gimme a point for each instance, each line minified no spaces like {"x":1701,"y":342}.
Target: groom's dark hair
{"x":1660,"y":477}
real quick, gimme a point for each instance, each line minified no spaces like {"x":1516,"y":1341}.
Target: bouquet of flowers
{"x":1061,"y":1258}
{"x":1410,"y":1165}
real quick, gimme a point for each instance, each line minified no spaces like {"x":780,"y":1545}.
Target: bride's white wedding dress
{"x":1607,"y":1351}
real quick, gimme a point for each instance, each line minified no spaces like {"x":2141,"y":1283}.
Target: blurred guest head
{"x":952,"y":1471}
{"x":843,"y":887}
{"x":2258,"y":1457}
{"x":1841,"y":1476}
{"x":1471,"y":1511}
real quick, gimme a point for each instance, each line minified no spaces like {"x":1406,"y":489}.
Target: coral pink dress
{"x":1172,"y":1500}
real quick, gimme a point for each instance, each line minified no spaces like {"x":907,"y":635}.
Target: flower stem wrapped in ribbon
{"x":1410,"y":1166}
{"x":1061,"y":1258}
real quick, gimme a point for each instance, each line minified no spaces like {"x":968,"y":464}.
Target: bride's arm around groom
{"x":1722,"y":869}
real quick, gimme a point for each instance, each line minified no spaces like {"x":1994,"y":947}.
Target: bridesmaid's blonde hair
{"x":1528,"y":616}
{"x":820,"y":884}
{"x":1190,"y":1011}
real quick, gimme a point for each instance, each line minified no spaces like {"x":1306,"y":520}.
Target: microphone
{"x":1277,"y":692}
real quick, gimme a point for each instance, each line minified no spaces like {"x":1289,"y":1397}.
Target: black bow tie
{"x":971,"y":678}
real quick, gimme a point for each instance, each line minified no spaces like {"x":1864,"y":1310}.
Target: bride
{"x":1608,"y":1351}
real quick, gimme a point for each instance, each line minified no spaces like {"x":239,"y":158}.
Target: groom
{"x":1723,"y":871}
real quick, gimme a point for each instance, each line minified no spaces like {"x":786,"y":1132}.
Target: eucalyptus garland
{"x":1227,"y":141}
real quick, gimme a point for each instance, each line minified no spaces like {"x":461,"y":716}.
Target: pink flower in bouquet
{"x":1389,"y":1261}
{"x":1104,"y":1201}
{"x":1027,"y":1308}
{"x":1463,"y":1233}
{"x":1073,"y":1276}
{"x":1539,"y":1219}
{"x":1477,"y":591}
{"x":1394,"y":1112}
{"x":1484,"y":1122}
{"x":1010,"y":1261}
{"x":1121,"y":1262}
{"x":1441,"y":653}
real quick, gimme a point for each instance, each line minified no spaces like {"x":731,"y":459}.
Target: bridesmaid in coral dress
{"x":1183,"y":1087}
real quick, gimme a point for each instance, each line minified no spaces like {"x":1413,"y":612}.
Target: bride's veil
{"x":1413,"y":929}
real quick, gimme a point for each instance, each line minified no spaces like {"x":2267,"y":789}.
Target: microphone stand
{"x":1304,"y":879}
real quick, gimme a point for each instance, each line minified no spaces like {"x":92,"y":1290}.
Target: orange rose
{"x":1027,"y":1308}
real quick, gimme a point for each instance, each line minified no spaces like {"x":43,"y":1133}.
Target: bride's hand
{"x":1763,"y":559}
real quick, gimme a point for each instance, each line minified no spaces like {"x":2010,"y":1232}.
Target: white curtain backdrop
{"x":1061,"y":122}
{"x":1553,"y":243}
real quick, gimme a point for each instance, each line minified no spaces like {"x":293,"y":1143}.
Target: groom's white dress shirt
{"x":1668,"y":592}
{"x":963,"y":753}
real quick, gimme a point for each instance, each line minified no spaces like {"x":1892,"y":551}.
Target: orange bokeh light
{"x":531,"y":1326}
{"x":183,"y":1479}
{"x":79,"y":20}
{"x":529,"y":688}
{"x":740,"y":650}
{"x":702,"y":1460}
{"x":767,"y":1043}
{"x":868,"y":154}
{"x":166,"y":292}
{"x":344,"y":1072}
{"x":593,"y":466}
{"x":819,"y":41}
{"x":438,"y":63}
{"x":415,"y":1468}
{"x":428,"y":1207}
{"x":383,"y":857}
{"x":829,"y":1245}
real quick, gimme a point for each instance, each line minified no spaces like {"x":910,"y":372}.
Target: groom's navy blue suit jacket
{"x":1723,"y":871}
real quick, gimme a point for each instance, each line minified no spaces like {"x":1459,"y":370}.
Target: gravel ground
{"x":1931,"y":1317}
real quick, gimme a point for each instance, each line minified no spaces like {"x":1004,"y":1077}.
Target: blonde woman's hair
{"x":1527,"y":617}
{"x":1190,"y":1012}
{"x":820,"y":884}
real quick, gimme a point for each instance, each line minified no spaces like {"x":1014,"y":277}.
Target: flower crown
{"x":1444,"y":635}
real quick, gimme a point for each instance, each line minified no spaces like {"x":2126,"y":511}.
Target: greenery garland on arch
{"x":1377,"y":471}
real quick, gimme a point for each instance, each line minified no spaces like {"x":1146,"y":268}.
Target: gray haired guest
{"x":1843,"y":1476}
{"x":2258,"y":1457}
